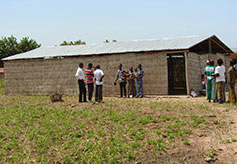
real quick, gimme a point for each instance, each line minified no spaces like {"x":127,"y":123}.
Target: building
{"x":234,"y":55}
{"x":171,"y":65}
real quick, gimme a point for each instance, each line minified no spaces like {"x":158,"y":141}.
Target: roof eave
{"x":217,"y":41}
{"x":164,"y":50}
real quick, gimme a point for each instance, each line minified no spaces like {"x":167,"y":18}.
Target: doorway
{"x":176,"y":74}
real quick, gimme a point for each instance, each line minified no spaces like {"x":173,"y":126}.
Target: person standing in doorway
{"x":232,"y":77}
{"x":139,"y":84}
{"x":220,"y":75}
{"x":81,"y":83}
{"x":121,"y":76}
{"x":99,"y":75}
{"x":89,"y":80}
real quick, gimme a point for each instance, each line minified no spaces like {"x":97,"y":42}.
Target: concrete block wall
{"x":194,"y":72}
{"x":39,"y":76}
{"x":205,"y":57}
{"x":225,"y":57}
{"x":197,"y":64}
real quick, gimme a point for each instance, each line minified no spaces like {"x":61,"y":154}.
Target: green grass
{"x":2,"y":87}
{"x":186,"y":142}
{"x":32,"y":129}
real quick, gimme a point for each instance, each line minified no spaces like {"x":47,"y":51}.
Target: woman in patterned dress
{"x":232,"y":77}
{"x":131,"y":83}
{"x":140,"y":74}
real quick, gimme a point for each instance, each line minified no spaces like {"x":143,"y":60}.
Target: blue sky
{"x":50,"y":22}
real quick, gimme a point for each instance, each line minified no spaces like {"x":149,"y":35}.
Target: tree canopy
{"x":107,"y":41}
{"x":78,"y":42}
{"x":9,"y":46}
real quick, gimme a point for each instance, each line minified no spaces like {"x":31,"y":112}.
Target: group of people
{"x":134,"y":80}
{"x":216,"y":78}
{"x":91,"y":74}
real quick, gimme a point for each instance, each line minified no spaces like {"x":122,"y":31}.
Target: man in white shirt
{"x":81,"y":77}
{"x":98,"y":75}
{"x":220,"y":75}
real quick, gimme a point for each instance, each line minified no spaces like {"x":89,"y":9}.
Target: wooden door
{"x":176,"y":74}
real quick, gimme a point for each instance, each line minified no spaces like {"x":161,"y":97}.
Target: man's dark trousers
{"x":98,"y":93}
{"x":123,"y":88}
{"x":90,"y":90}
{"x":82,"y":90}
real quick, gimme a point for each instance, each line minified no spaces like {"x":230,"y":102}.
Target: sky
{"x":50,"y":22}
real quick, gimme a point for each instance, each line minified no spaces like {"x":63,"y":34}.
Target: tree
{"x":27,"y":44}
{"x":9,"y":46}
{"x":79,"y":42}
{"x":107,"y":41}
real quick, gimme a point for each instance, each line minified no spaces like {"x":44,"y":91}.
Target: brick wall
{"x":197,"y":64}
{"x":38,"y":76}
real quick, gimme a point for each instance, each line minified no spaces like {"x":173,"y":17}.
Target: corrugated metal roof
{"x":114,"y":47}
